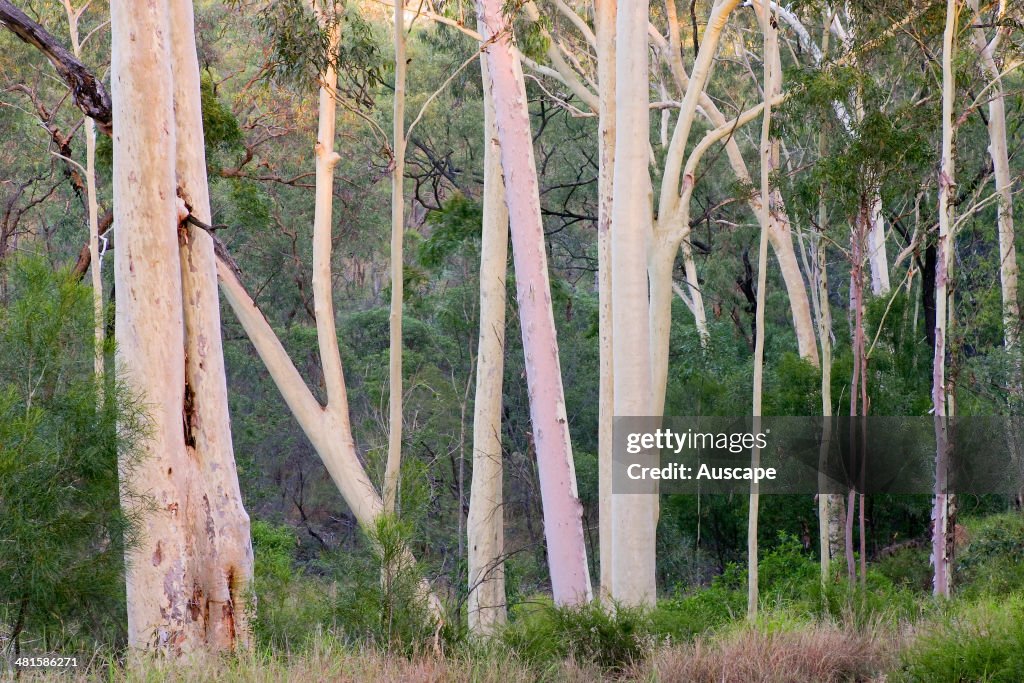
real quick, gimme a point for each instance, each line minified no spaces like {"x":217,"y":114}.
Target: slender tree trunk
{"x":829,"y":505}
{"x":604,"y":20}
{"x":486,"y":508}
{"x":392,"y":474}
{"x":943,"y":519}
{"x":563,"y":513}
{"x":92,"y":206}
{"x":769,"y":153}
{"x":997,"y":149}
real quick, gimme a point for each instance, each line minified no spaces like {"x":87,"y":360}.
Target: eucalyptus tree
{"x":188,"y":577}
{"x":563,"y":527}
{"x":486,"y":523}
{"x":944,"y":504}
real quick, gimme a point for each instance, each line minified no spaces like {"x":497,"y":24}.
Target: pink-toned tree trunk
{"x":563,"y":519}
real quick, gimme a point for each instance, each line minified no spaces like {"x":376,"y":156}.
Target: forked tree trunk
{"x":1008,"y":270}
{"x":634,"y":516}
{"x":486,"y":605}
{"x":563,"y":513}
{"x":604,"y":21}
{"x":329,"y":427}
{"x":187,"y":577}
{"x":392,"y":473}
{"x":943,"y":507}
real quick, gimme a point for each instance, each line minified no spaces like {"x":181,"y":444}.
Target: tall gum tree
{"x":563,"y":518}
{"x":485,"y":524}
{"x":944,"y":503}
{"x":634,"y":516}
{"x":604,"y":22}
{"x":188,"y":576}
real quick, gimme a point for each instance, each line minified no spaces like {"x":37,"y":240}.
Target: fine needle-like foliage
{"x":62,"y":532}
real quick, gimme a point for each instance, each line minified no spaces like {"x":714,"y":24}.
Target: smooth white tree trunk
{"x":604,"y":23}
{"x":188,"y":576}
{"x":220,"y":522}
{"x":769,"y":160}
{"x":944,"y":503}
{"x":485,"y":526}
{"x":392,"y":473}
{"x":92,"y":207}
{"x":563,"y":518}
{"x":1008,"y":269}
{"x":634,"y":516}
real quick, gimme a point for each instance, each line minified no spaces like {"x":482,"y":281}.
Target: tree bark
{"x":634,"y":516}
{"x":604,"y":23}
{"x":944,"y":503}
{"x":392,"y":474}
{"x":563,"y":519}
{"x":486,"y":606}
{"x":220,"y":523}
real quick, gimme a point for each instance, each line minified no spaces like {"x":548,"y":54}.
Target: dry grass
{"x":810,"y":653}
{"x":820,"y":653}
{"x":322,"y":663}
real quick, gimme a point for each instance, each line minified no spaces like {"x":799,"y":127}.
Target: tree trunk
{"x":92,"y":206}
{"x":149,"y":323}
{"x":997,"y":149}
{"x":220,"y":521}
{"x":392,"y":474}
{"x":604,"y":20}
{"x":563,"y":518}
{"x":486,"y":605}
{"x":634,"y":516}
{"x":769,"y":153}
{"x":944,"y":504}
{"x":187,"y":577}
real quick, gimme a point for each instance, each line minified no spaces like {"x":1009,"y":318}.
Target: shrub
{"x":381,"y":597}
{"x":993,"y":560}
{"x":591,"y":634}
{"x":62,"y":532}
{"x":291,"y":606}
{"x":980,"y":642}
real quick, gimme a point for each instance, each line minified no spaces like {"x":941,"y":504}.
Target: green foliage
{"x":62,"y":532}
{"x":220,"y":127}
{"x":301,"y":46}
{"x":457,"y":223}
{"x":992,"y":563}
{"x":381,"y":597}
{"x":610,"y":637}
{"x":291,"y":606}
{"x":978,"y":642}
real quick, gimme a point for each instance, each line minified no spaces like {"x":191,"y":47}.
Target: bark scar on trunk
{"x":188,"y":414}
